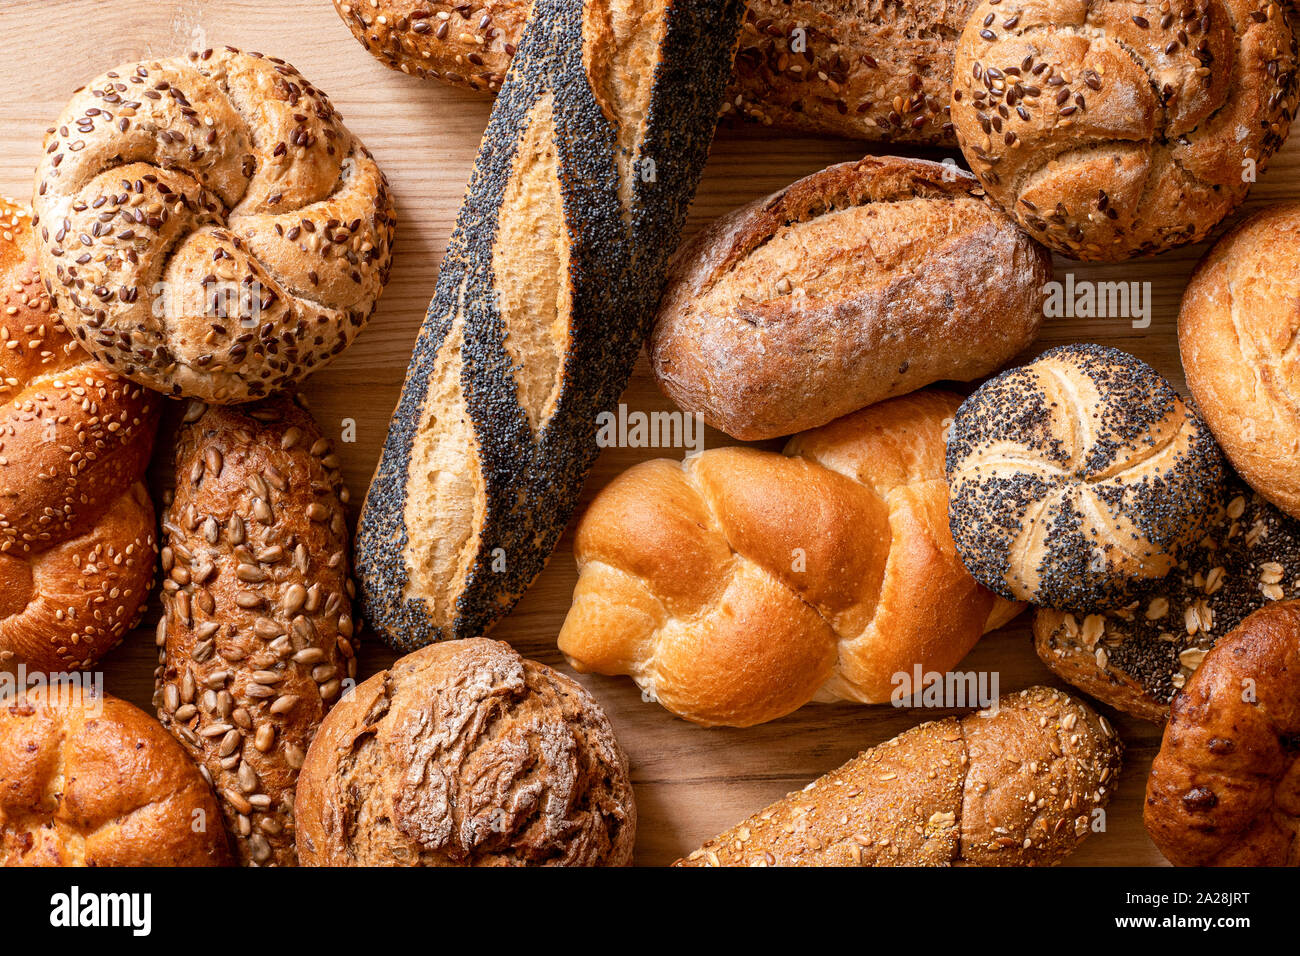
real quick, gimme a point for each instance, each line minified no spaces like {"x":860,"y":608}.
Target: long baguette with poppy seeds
{"x":591,"y":156}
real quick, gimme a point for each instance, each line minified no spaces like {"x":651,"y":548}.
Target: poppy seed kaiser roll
{"x":1075,"y":480}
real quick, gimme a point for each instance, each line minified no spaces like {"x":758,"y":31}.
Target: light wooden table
{"x":690,"y":782}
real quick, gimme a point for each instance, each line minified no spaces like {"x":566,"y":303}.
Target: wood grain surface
{"x":690,"y":782}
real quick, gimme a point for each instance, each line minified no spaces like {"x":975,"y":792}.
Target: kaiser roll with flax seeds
{"x":858,"y":283}
{"x":257,"y":635}
{"x":578,"y":195}
{"x":209,"y":227}
{"x":77,"y":534}
{"x":1236,"y":332}
{"x":466,"y":754}
{"x":1225,"y":787}
{"x":1077,"y":480}
{"x":739,"y":585}
{"x":1111,"y":129}
{"x":863,"y":70}
{"x":1019,"y":785}
{"x":90,"y":780}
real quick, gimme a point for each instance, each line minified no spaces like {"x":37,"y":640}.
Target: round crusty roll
{"x":1238,"y":321}
{"x":1225,"y":788}
{"x":739,"y":585}
{"x":77,"y":534}
{"x":466,"y":754}
{"x":89,"y":780}
{"x":1076,"y":480}
{"x":1112,"y":128}
{"x":208,"y":225}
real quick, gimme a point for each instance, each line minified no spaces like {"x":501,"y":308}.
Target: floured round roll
{"x":1076,"y":479}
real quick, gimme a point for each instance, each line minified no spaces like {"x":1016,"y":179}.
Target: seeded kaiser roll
{"x":1074,"y":481}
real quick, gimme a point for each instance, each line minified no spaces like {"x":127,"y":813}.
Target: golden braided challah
{"x":739,"y":585}
{"x":208,"y":225}
{"x":77,"y":539}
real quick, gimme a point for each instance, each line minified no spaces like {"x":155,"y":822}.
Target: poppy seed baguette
{"x":577,"y":198}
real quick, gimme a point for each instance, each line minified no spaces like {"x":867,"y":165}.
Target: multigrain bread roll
{"x":1076,"y":480}
{"x":739,"y":585}
{"x":89,"y":780}
{"x":862,"y":69}
{"x":1236,"y":329}
{"x":1136,"y":657}
{"x":1019,"y":786}
{"x":590,"y":158}
{"x":257,"y":635}
{"x":466,"y":754}
{"x":77,"y":534}
{"x":208,"y":225}
{"x":1225,"y":788}
{"x":861,"y":282}
{"x":1117,"y":129}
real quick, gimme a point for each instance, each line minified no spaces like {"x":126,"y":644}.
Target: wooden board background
{"x":690,"y":782}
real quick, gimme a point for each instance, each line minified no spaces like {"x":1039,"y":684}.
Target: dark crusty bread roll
{"x":1225,"y":788}
{"x":1077,"y":479}
{"x":862,"y":69}
{"x":1116,"y":129}
{"x":78,"y":546}
{"x":861,"y":282}
{"x":1016,"y":787}
{"x":93,"y":781}
{"x":257,"y":631}
{"x":590,"y":158}
{"x":1236,"y":330}
{"x":1136,"y":657}
{"x":466,"y":754}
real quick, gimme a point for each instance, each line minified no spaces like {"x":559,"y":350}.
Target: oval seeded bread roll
{"x":1076,"y":479}
{"x":208,"y":225}
{"x":1116,"y":129}
{"x":93,"y":781}
{"x":1018,"y":786}
{"x":1225,"y":788}
{"x":859,"y":283}
{"x":739,"y":585}
{"x":1236,"y":332}
{"x":466,"y":754}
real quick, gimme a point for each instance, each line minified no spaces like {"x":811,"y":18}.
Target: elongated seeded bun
{"x":1075,"y":480}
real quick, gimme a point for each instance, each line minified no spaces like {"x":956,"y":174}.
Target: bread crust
{"x":865,"y":71}
{"x":257,"y":635}
{"x":1225,"y":788}
{"x":739,"y":585}
{"x":856,"y":284}
{"x":466,"y":754}
{"x":87,"y":781}
{"x":1018,"y":787}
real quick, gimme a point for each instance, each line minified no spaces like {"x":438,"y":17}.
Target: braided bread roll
{"x":77,"y":537}
{"x":739,"y":585}
{"x":208,"y":225}
{"x":578,"y":195}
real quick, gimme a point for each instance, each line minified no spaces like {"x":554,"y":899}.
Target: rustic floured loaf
{"x":1225,"y":788}
{"x":1021,"y":786}
{"x":863,"y":69}
{"x":208,"y":225}
{"x":1236,"y":332}
{"x":92,"y":781}
{"x":77,"y":535}
{"x":861,"y":282}
{"x":1135,"y":658}
{"x":466,"y":754}
{"x":1077,"y":479}
{"x":590,"y":158}
{"x":1116,"y":129}
{"x":257,"y":634}
{"x":739,"y":585}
